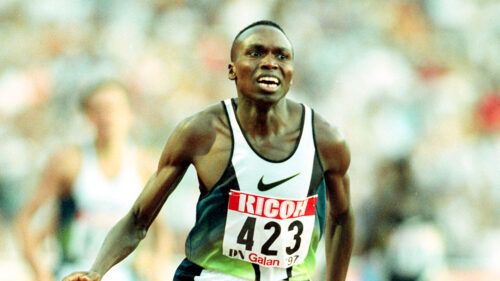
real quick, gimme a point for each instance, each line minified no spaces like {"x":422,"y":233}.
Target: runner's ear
{"x":231,"y":74}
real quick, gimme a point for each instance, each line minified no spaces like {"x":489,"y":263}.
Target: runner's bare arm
{"x":335,"y":157}
{"x":125,"y":236}
{"x":55,"y":179}
{"x":155,"y":250}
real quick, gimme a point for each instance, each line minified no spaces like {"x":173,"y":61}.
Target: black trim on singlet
{"x":314,"y":140}
{"x":235,"y":106}
{"x":316,"y":176}
{"x":230,"y":129}
{"x":289,"y":273}
{"x":187,"y":271}
{"x":256,"y":268}
{"x":68,"y":209}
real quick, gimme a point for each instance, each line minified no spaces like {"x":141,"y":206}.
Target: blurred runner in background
{"x":94,"y":185}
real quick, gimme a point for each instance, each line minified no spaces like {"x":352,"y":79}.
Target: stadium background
{"x":413,"y":85}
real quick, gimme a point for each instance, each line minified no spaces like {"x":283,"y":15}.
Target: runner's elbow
{"x":139,"y":224}
{"x":343,"y":217}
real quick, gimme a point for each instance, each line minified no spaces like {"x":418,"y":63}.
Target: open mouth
{"x":268,"y":82}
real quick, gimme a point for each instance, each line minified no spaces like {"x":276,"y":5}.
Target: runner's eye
{"x":283,"y":56}
{"x":255,"y":53}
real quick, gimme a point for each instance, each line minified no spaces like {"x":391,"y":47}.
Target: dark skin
{"x":272,"y":125}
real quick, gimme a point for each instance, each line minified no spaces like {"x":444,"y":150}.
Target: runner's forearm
{"x":123,"y":238}
{"x":29,"y":253}
{"x":28,"y":244}
{"x":339,"y":242}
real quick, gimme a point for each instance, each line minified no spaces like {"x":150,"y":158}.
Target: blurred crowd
{"x":412,"y":84}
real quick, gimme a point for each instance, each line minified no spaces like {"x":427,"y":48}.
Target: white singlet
{"x":100,"y":203}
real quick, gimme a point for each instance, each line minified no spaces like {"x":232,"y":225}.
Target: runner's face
{"x":109,"y":111}
{"x":263,"y":64}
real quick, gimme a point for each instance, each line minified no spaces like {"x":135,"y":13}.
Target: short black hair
{"x":257,"y":23}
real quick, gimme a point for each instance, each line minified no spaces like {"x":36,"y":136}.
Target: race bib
{"x":267,"y":231}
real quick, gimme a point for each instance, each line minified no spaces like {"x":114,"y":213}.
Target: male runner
{"x":272,"y":173}
{"x":94,"y":184}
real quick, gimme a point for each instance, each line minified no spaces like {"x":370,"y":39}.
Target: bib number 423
{"x":246,"y":236}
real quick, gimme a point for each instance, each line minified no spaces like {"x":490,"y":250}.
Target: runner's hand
{"x":83,"y":276}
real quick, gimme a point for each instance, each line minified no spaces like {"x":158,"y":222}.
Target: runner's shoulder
{"x":204,"y":123}
{"x":331,"y":144}
{"x":67,"y":158}
{"x":196,"y":134}
{"x":63,"y":165}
